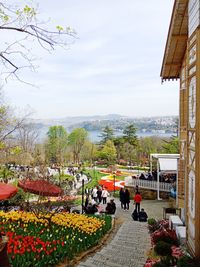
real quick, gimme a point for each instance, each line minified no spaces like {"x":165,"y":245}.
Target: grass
{"x":96,"y":176}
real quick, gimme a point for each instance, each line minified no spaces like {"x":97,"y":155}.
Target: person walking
{"x":136,"y":189}
{"x":137,"y":199}
{"x":122,"y":197}
{"x":94,"y":194}
{"x":126,"y":199}
{"x":105,"y":194}
{"x":99,"y":194}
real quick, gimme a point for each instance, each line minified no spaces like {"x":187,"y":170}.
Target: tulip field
{"x":44,"y":240}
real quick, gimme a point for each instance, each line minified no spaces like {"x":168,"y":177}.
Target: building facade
{"x":182,"y":61}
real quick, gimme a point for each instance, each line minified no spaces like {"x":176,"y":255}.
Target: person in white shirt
{"x":94,"y":194}
{"x":105,"y":194}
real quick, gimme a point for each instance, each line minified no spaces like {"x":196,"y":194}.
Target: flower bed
{"x":45,"y":241}
{"x":165,"y":251}
{"x":108,"y":183}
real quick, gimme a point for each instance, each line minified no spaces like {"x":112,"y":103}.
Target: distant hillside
{"x":69,"y":121}
{"x":167,"y":124}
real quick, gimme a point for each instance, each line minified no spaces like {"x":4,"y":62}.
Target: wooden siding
{"x":176,"y":41}
{"x":182,"y":132}
{"x":197,"y":184}
{"x":194,"y":15}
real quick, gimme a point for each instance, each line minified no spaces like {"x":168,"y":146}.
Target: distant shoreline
{"x":94,"y":136}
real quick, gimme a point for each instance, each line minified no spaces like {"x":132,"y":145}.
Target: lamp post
{"x":114,"y":183}
{"x":82,"y":194}
{"x":94,"y":172}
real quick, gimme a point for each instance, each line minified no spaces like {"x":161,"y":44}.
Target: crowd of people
{"x":137,"y":215}
{"x":163,"y":177}
{"x":96,"y":196}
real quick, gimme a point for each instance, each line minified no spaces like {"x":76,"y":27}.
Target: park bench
{"x":171,"y":211}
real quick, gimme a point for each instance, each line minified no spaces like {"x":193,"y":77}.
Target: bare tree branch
{"x":24,"y":22}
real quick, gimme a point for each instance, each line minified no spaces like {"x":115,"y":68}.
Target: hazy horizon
{"x":104,"y":115}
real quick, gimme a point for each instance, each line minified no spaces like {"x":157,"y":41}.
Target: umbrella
{"x":7,"y":191}
{"x":40,"y":187}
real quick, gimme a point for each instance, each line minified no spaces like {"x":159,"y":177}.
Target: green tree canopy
{"x":76,"y":140}
{"x":56,"y":144}
{"x":171,"y":146}
{"x":129,"y":134}
{"x":107,"y":134}
{"x":88,"y":152}
{"x":108,"y":152}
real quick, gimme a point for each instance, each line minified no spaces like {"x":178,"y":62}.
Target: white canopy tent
{"x":167,"y":163}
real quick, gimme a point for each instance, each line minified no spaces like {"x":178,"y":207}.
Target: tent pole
{"x":177,"y":185}
{"x":158,"y":185}
{"x":150,"y":163}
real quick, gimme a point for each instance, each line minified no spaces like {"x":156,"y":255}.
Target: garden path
{"x":129,"y":243}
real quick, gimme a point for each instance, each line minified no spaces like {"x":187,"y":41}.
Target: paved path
{"x":129,"y":244}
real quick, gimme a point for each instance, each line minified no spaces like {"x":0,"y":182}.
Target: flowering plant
{"x":33,"y":241}
{"x":166,"y":235}
{"x":165,"y":250}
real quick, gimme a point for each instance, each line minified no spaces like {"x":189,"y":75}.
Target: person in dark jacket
{"x":134,"y":215}
{"x":99,"y":194}
{"x":142,"y":216}
{"x":91,"y":209}
{"x":111,"y":207}
{"x":126,"y":199}
{"x":122,"y":197}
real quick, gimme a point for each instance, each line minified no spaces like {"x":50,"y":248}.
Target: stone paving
{"x":128,"y":246}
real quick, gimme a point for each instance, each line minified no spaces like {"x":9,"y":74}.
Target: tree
{"x":23,"y":22}
{"x":171,"y":146}
{"x":126,"y":144}
{"x":39,"y":155}
{"x":6,"y":173}
{"x":8,"y":122}
{"x":119,"y":144}
{"x":27,"y":136}
{"x":107,"y":134}
{"x":88,"y":152}
{"x":56,"y":144}
{"x":108,"y":152}
{"x":129,"y":134}
{"x":9,"y":126}
{"x":76,"y":140}
{"x":128,"y":152}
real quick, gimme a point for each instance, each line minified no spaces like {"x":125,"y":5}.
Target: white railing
{"x":129,"y":181}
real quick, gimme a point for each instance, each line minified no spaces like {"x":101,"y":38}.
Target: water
{"x":95,"y":136}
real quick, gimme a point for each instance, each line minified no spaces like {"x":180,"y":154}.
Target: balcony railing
{"x":129,"y":181}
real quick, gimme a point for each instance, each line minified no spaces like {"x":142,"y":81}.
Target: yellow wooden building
{"x":182,"y":61}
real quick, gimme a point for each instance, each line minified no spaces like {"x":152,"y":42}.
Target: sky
{"x":112,"y":67}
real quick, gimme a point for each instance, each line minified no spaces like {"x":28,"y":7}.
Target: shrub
{"x":151,"y":221}
{"x":166,"y":235}
{"x":160,"y":264}
{"x":187,"y":261}
{"x":183,"y":261}
{"x":163,"y":249}
{"x":153,"y":225}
